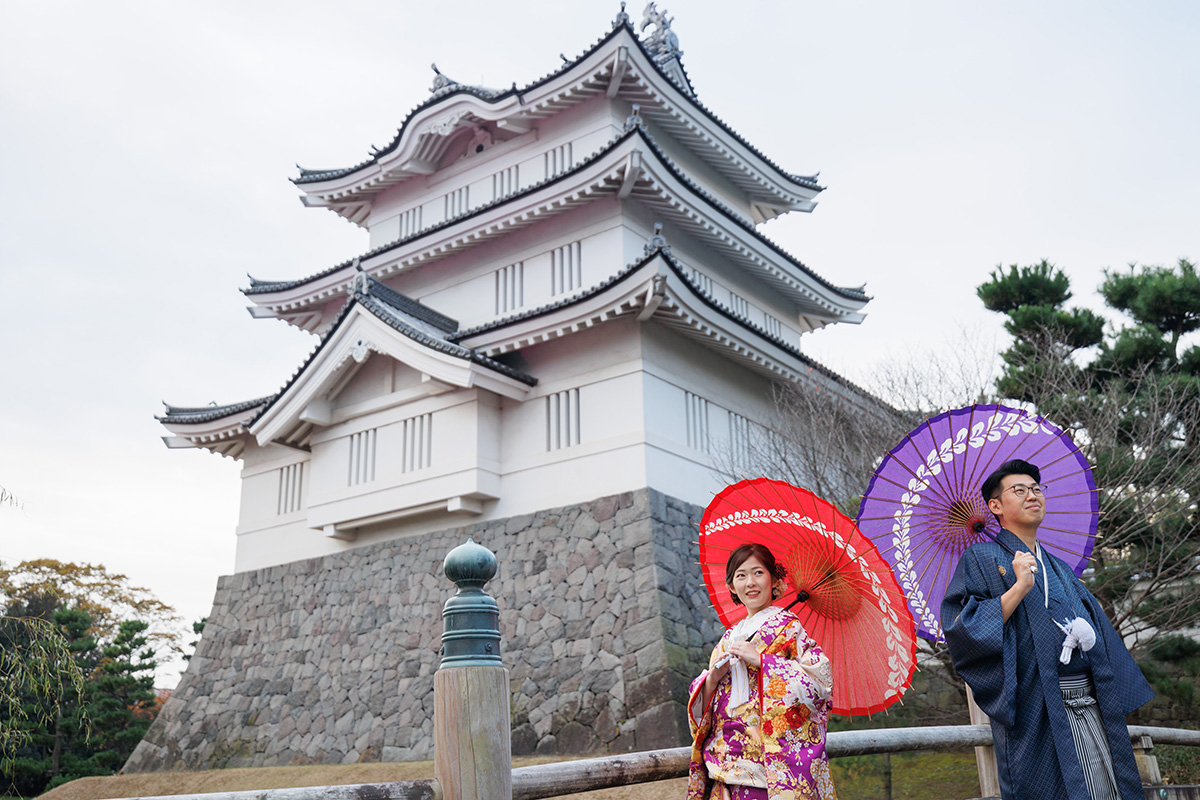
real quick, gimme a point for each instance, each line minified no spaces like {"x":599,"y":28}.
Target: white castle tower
{"x":565,"y":299}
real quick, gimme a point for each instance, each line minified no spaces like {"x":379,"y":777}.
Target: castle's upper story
{"x":619,"y":123}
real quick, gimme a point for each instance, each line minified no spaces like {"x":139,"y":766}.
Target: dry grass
{"x":247,"y":778}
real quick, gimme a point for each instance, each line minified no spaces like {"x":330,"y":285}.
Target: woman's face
{"x":752,"y":585}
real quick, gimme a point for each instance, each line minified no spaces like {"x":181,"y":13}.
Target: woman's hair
{"x":765,"y":557}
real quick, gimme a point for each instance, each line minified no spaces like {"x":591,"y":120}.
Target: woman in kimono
{"x":758,"y":713}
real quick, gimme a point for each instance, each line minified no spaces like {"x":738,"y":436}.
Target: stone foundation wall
{"x":604,"y":620}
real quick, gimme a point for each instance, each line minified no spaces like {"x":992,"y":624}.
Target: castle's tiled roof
{"x":684,"y":274}
{"x":492,"y":96}
{"x":405,"y":315}
{"x":852,"y":293}
{"x":193,"y":416}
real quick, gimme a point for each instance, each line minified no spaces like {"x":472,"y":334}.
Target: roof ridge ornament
{"x":657,"y":242}
{"x":634,"y":120}
{"x":622,"y":18}
{"x":361,"y":283}
{"x":440,"y":81}
{"x":662,"y":43}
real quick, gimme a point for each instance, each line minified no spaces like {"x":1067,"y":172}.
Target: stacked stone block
{"x":603,"y":615}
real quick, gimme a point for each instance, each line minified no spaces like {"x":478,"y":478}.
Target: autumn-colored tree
{"x":108,"y":598}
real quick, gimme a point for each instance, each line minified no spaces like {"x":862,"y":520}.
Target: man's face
{"x":1027,"y":511}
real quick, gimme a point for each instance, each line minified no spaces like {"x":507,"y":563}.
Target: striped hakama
{"x":1087,"y":729}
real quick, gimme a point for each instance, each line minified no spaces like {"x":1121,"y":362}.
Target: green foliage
{"x":1179,"y":765}
{"x":79,"y":706}
{"x":1038,"y":285}
{"x":1163,"y":298}
{"x":1134,"y":410}
{"x":39,"y":677}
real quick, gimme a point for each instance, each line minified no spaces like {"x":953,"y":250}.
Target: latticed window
{"x":510,"y":287}
{"x":558,"y":159}
{"x":506,"y":182}
{"x":562,"y":419}
{"x":696,"y":415}
{"x":362,"y":458}
{"x":738,"y":304}
{"x":457,"y":202}
{"x":417,"y":447}
{"x":566,"y":268}
{"x":291,"y":489}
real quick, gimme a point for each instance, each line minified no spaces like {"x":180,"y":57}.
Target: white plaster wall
{"x":463,"y":286}
{"x":632,"y":379}
{"x":583,"y":129}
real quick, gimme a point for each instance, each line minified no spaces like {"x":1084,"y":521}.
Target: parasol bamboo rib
{"x":931,"y":481}
{"x":1038,"y":420}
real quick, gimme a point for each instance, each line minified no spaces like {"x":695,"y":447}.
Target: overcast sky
{"x":145,"y":150}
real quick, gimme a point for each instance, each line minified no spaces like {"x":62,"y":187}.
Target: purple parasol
{"x":923,"y":507}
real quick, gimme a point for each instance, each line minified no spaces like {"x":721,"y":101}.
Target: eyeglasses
{"x":1020,"y":490}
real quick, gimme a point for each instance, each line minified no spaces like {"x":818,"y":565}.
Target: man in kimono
{"x":1041,"y":657}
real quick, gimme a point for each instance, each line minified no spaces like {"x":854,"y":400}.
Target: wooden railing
{"x":570,"y":777}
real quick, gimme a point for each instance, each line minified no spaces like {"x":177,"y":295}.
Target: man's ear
{"x":994,"y":506}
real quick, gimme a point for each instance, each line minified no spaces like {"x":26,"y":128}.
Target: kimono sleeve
{"x":981,"y":644}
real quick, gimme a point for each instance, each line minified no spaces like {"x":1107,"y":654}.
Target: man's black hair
{"x":1014,"y":467}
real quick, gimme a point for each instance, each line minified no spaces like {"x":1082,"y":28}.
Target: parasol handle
{"x":801,"y":596}
{"x":979,"y":527}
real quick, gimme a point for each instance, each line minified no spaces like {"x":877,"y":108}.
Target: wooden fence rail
{"x":569,"y":777}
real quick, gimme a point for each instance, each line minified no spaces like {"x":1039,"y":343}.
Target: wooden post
{"x":1147,"y":764}
{"x":985,"y":757}
{"x":472,"y":755}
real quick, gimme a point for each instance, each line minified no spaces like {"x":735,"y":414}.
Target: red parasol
{"x":838,"y":585}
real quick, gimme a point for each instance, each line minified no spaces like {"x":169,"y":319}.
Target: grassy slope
{"x":915,"y":776}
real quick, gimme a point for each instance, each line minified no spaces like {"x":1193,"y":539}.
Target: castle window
{"x":696,"y":416}
{"x":362,"y":458}
{"x":702,"y":281}
{"x":558,"y":159}
{"x":457,"y":202}
{"x":506,"y":182}
{"x":562,"y":419}
{"x":418,"y":443}
{"x":774,"y":326}
{"x":410,"y":222}
{"x":566,"y":268}
{"x":510,"y":287}
{"x":738,"y":304}
{"x":291,"y":489}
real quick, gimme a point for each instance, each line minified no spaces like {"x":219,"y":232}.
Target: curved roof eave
{"x":369,"y":302}
{"x":681,"y":272}
{"x":808,"y":182}
{"x":855,"y":295}
{"x":196,"y":415}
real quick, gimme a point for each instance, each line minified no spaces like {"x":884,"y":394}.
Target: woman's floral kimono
{"x":777,"y":739}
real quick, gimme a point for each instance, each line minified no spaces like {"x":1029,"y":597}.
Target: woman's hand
{"x":747,"y":653}
{"x":711,"y":681}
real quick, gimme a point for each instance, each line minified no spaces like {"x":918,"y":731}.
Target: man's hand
{"x":1024,"y":566}
{"x":1023,"y":570}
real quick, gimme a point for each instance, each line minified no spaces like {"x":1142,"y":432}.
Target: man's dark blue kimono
{"x":1013,"y":670}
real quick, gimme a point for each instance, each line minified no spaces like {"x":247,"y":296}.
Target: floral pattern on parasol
{"x":923,"y":507}
{"x":839,"y":586}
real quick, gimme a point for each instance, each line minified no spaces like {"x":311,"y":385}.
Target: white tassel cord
{"x":1080,"y":633}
